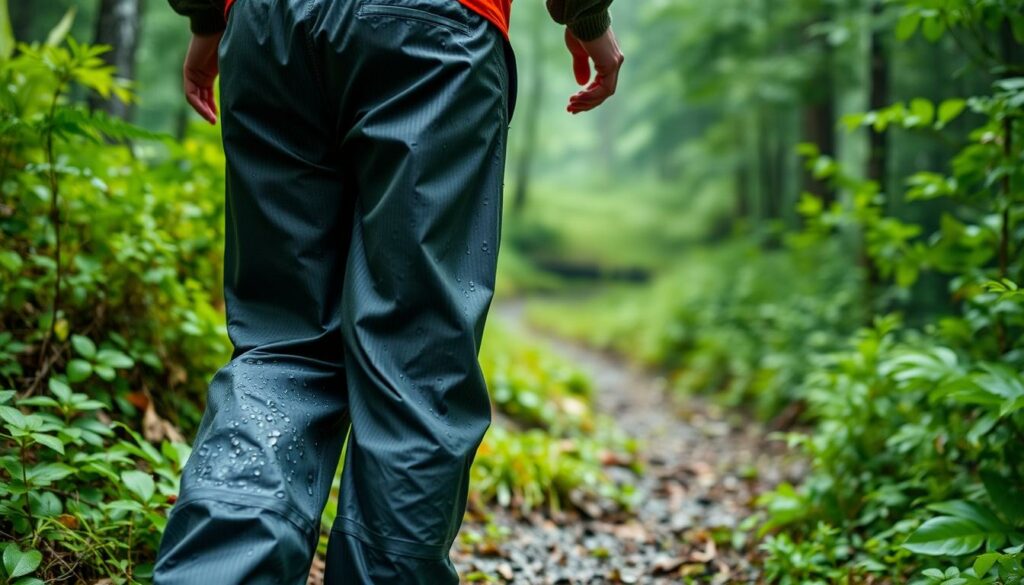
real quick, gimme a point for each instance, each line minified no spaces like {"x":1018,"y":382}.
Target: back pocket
{"x":447,"y":15}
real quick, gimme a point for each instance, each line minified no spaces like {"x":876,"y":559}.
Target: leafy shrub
{"x":533,"y":387}
{"x":94,"y":503}
{"x":527,"y":470}
{"x":108,"y":306}
{"x":917,"y":432}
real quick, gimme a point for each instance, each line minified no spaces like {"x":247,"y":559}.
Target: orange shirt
{"x":496,"y":11}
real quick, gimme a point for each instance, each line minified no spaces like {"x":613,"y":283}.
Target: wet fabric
{"x":365,"y":145}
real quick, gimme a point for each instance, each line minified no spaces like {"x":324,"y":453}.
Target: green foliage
{"x":888,"y":312}
{"x":535,"y":389}
{"x":111,"y":254}
{"x":560,"y":460}
{"x":527,"y":470}
{"x":742,"y":338}
{"x":95,"y":502}
{"x":917,"y":433}
{"x":107,"y":277}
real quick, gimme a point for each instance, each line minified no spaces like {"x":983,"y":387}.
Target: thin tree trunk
{"x":878,"y":98}
{"x":819,"y":119}
{"x":743,"y":176}
{"x":22,"y":18}
{"x":528,"y":151}
{"x":878,"y":144}
{"x":118,"y":26}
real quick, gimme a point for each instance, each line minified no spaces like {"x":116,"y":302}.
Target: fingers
{"x":601,"y":89}
{"x":594,"y":95}
{"x":580,"y":58}
{"x":201,"y":100}
{"x":604,"y":52}
{"x":199,"y":73}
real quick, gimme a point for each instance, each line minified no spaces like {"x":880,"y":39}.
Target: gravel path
{"x":703,"y":468}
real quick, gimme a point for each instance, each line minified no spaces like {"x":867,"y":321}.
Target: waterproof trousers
{"x":365,"y":144}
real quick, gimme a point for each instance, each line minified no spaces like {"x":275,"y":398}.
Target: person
{"x":365,"y":150}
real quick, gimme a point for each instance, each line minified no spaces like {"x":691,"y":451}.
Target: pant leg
{"x":423,"y":112}
{"x":254,"y":488}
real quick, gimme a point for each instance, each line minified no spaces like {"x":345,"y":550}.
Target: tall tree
{"x":118,"y":25}
{"x":819,"y":112}
{"x":531,"y":111}
{"x":878,"y":94}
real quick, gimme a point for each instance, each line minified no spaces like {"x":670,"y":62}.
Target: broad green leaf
{"x":950,"y":109}
{"x":13,"y":416}
{"x":970,"y":511}
{"x":946,"y":536}
{"x":139,"y":483}
{"x":106,"y":373}
{"x":44,"y":401}
{"x":907,"y":25}
{"x":922,"y":112}
{"x":18,"y":563}
{"x":84,"y":346}
{"x":1001,"y":381}
{"x":79,"y":370}
{"x":29,"y":581}
{"x":933,"y":28}
{"x":59,"y":32}
{"x":114,"y":359}
{"x":9,"y":259}
{"x":49,"y":441}
{"x":48,"y":473}
{"x":983,"y":563}
{"x":60,"y":389}
{"x":45,"y":504}
{"x":1007,"y":497}
{"x":124,"y":506}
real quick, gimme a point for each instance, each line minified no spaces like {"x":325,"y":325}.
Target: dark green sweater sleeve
{"x":587,"y":19}
{"x":206,"y":16}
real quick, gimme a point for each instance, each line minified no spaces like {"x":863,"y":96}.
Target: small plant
{"x":527,"y":470}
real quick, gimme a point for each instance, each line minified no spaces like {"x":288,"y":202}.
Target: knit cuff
{"x":207,"y":22}
{"x":591,"y":26}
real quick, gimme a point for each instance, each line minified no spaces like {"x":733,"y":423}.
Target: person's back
{"x":365,"y":146}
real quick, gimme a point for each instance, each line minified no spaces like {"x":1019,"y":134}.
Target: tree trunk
{"x":528,"y":151}
{"x":22,"y":18}
{"x":118,"y":26}
{"x":819,"y":119}
{"x":878,"y":98}
{"x":742,"y":180}
{"x":878,"y":144}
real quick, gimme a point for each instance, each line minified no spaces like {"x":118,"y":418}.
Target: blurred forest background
{"x":800,"y":220}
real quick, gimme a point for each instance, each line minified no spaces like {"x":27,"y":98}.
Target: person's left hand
{"x":200,"y":71}
{"x":607,"y":58}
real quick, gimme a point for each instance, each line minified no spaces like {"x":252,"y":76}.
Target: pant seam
{"x":311,"y":51}
{"x":283,"y":509}
{"x":390,"y":544}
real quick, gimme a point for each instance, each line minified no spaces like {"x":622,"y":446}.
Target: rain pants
{"x":365,"y":145}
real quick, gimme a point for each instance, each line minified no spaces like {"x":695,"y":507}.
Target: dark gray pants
{"x":365,"y":144}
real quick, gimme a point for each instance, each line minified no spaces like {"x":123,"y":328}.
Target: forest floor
{"x":702,"y":469}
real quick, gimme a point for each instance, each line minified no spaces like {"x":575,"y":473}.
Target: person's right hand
{"x":607,"y":58}
{"x":200,"y":71}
